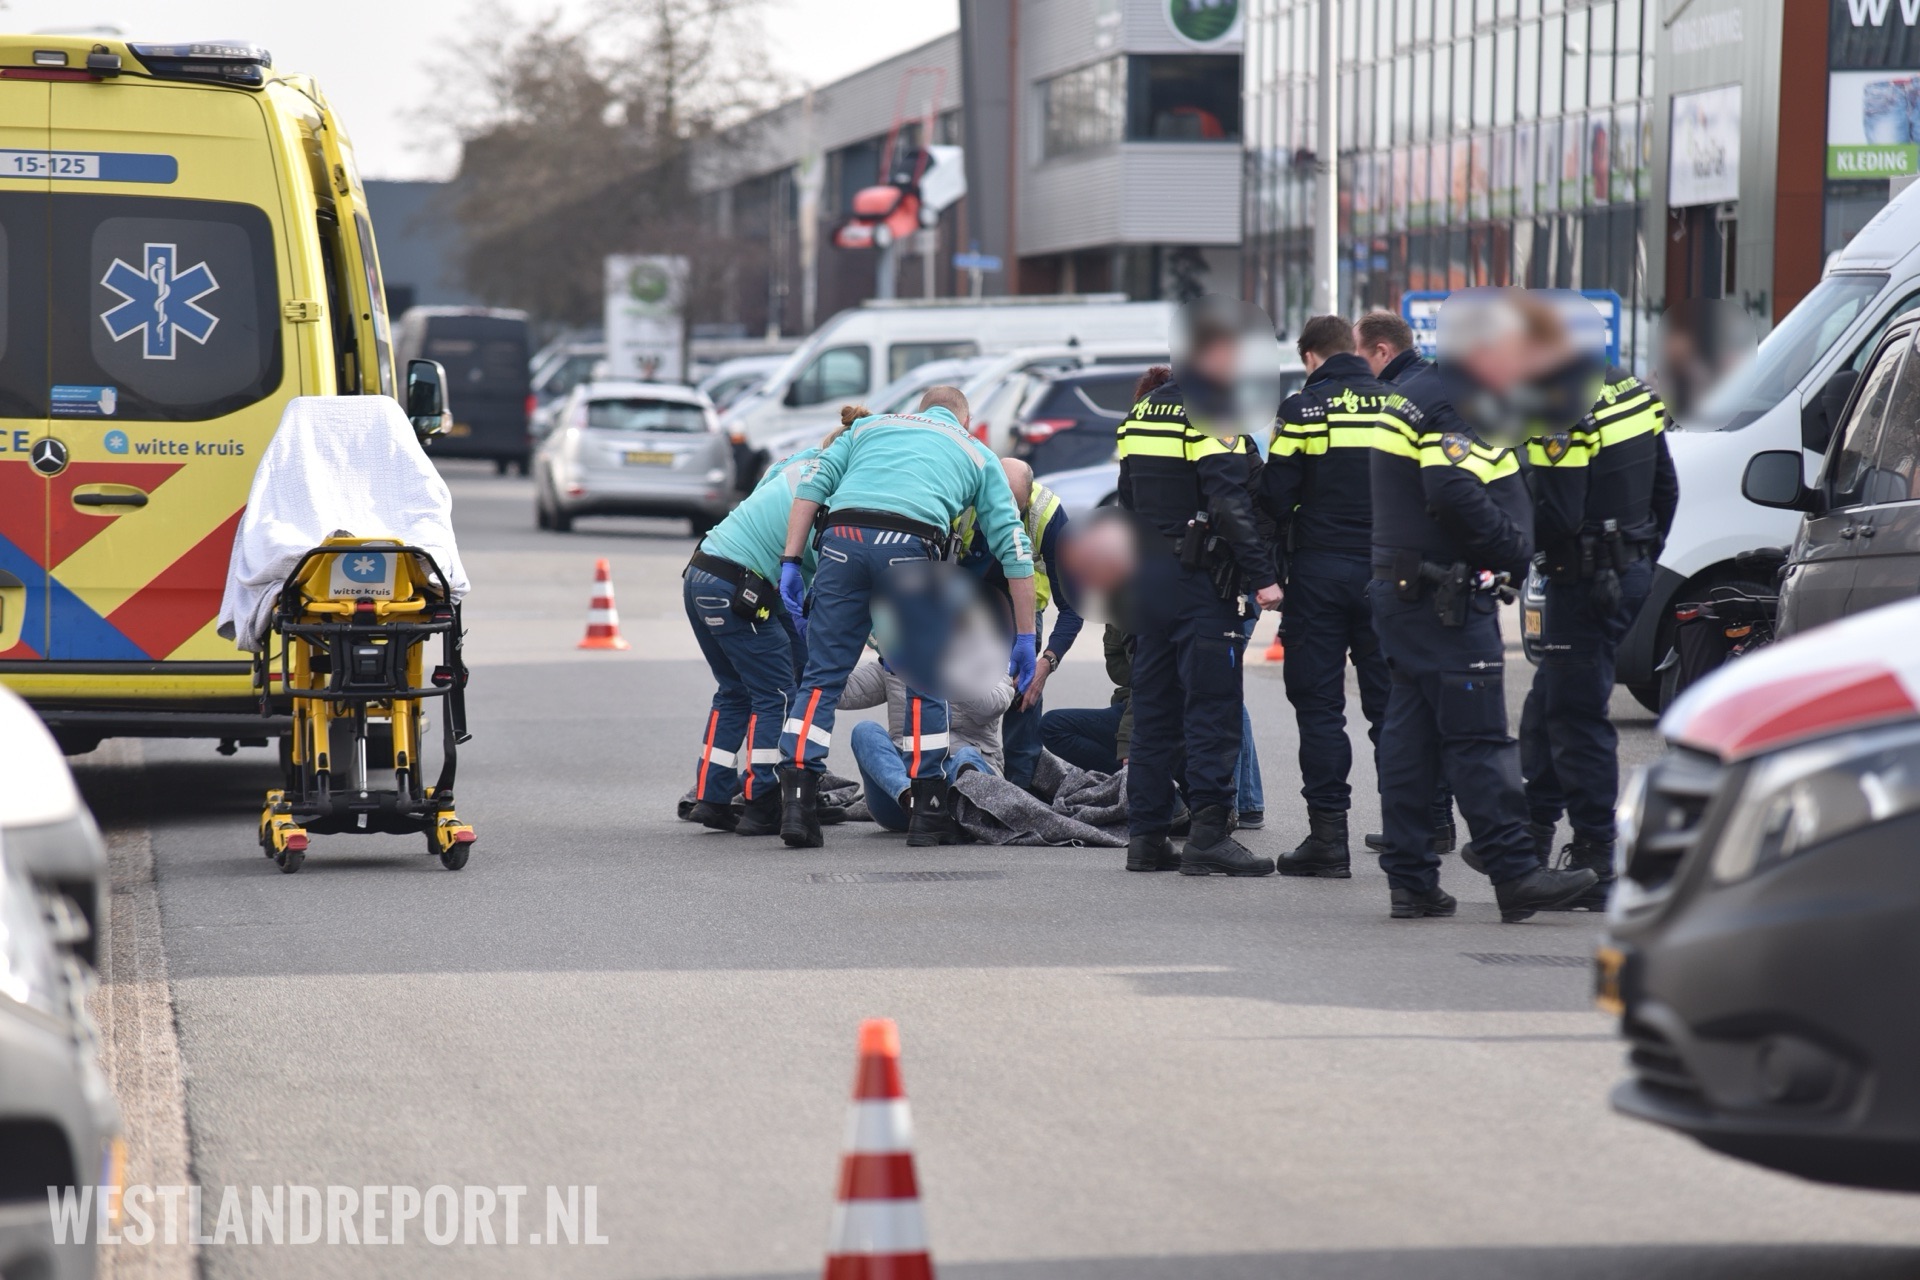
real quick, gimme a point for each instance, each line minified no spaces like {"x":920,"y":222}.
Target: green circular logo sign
{"x":1204,"y":22}
{"x":649,"y":283}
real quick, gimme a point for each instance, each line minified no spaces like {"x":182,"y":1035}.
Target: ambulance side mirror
{"x":1775,"y":479}
{"x":427,"y":398}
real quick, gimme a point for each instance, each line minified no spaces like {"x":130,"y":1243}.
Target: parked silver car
{"x":59,"y":1123}
{"x":634,"y":449}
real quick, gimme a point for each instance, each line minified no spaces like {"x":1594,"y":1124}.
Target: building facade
{"x":1481,"y":142}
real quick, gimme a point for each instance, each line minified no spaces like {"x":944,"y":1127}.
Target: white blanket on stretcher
{"x":337,"y":464}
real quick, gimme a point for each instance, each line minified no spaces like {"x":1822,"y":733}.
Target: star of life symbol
{"x":367,"y":568}
{"x":161,"y":300}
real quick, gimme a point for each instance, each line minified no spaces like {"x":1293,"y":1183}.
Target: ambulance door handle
{"x":111,"y":499}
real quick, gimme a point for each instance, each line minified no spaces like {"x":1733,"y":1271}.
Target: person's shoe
{"x":1251,"y":819}
{"x":1443,"y":840}
{"x":1152,"y":853}
{"x":1541,"y":833}
{"x":759,"y":816}
{"x":718,"y":817}
{"x":800,"y":807}
{"x":1541,"y":890}
{"x":1409,"y":905}
{"x":1324,"y":852}
{"x":930,"y":819}
{"x":1212,"y":851}
{"x":1589,"y":854}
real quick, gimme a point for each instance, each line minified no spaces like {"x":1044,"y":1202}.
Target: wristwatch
{"x":1052,"y":660}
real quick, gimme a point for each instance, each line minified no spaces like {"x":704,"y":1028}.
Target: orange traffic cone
{"x":1277,"y":651}
{"x":878,"y":1233}
{"x":603,"y":620}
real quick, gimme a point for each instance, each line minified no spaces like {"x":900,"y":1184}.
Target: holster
{"x":1193,"y":543}
{"x":754,"y":597}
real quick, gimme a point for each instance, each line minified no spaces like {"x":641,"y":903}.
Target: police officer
{"x":1188,"y":643}
{"x":1317,"y":484}
{"x":1451,"y":510}
{"x":1604,"y":497}
{"x":891,"y":489}
{"x":1386,"y":344}
{"x":753,"y":649}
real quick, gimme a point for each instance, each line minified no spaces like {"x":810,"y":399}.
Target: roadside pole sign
{"x":645,"y":299}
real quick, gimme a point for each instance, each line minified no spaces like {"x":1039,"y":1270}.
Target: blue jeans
{"x":853,"y":562}
{"x":754,"y":671}
{"x":1085,"y":737}
{"x":883,"y":771}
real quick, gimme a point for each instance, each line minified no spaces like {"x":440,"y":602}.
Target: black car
{"x":489,"y":384}
{"x":1859,"y":545}
{"x":1071,"y":419}
{"x":1766,"y":919}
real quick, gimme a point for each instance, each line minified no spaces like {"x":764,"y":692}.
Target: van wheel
{"x":1649,"y":695}
{"x":500,"y":465}
{"x":520,"y":466}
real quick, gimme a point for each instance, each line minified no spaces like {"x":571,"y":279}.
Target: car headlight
{"x":1805,"y":796}
{"x":30,"y":968}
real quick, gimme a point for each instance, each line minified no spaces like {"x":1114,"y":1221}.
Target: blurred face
{"x":1099,"y":555}
{"x":1502,"y":362}
{"x":1217,"y":359}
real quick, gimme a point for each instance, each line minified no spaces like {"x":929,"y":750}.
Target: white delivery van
{"x":859,"y":351}
{"x":1788,"y":397}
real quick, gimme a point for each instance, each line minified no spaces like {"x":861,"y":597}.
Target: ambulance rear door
{"x":168,"y":359}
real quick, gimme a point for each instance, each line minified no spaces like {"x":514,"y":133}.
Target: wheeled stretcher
{"x":351,"y":625}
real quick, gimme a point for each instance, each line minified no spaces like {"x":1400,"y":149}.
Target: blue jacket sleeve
{"x":1066,"y":627}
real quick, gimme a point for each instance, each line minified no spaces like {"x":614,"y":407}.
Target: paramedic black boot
{"x":1589,"y":854}
{"x":1152,"y":853}
{"x":931,"y":821}
{"x":1211,"y":850}
{"x":800,"y":807}
{"x":1324,"y":851}
{"x":719,"y":817}
{"x":759,"y":816}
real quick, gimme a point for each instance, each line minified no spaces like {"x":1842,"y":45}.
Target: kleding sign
{"x":1871,"y":127}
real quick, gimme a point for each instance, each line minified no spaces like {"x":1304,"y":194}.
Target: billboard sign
{"x":1703,"y":149}
{"x":1872,"y":131}
{"x":645,"y":305}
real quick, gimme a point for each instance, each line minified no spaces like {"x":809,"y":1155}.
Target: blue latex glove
{"x":793,"y":593}
{"x":1026,"y":647}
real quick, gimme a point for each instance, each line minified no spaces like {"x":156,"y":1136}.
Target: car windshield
{"x":635,"y":413}
{"x":1793,"y":348}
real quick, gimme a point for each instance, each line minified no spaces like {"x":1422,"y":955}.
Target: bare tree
{"x":575,"y":140}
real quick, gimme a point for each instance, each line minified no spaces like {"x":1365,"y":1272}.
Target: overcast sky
{"x":368,"y":54}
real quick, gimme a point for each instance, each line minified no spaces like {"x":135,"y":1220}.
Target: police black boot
{"x":800,"y":807}
{"x":1324,"y":851}
{"x":1409,"y":905}
{"x":931,"y":821}
{"x":1211,"y":850}
{"x":719,"y":817}
{"x":759,"y":816}
{"x":1589,"y":854}
{"x":1152,"y":853}
{"x":1541,"y":833}
{"x":1540,"y":890}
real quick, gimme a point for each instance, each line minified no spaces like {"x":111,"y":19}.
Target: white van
{"x":859,"y":351}
{"x":1785,"y":398}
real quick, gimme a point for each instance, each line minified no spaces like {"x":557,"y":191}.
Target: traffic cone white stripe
{"x":878,"y":1226}
{"x":878,"y":1128}
{"x":603,"y":620}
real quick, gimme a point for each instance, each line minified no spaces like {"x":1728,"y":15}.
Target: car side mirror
{"x":427,"y":398}
{"x":1822,"y":413}
{"x":1776,"y":479}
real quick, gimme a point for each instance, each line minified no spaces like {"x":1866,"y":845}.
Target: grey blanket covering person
{"x":1072,"y":807}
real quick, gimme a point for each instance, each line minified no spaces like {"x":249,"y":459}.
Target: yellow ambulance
{"x":184,"y":246}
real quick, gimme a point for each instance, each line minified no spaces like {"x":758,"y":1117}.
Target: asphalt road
{"x":1112,"y":1075}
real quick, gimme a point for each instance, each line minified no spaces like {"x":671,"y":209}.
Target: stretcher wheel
{"x":454,"y":857}
{"x":290,"y":860}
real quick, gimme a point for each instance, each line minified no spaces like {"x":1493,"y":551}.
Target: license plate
{"x":460,"y":429}
{"x":649,"y":458}
{"x":1531,"y":620}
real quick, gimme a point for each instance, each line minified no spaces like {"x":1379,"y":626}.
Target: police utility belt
{"x":1594,"y":554}
{"x":753,"y":595}
{"x":943,"y":543}
{"x":1201,"y":550}
{"x":1450,"y":587}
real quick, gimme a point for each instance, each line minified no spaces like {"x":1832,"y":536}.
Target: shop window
{"x":1086,"y":108}
{"x":1183,"y":98}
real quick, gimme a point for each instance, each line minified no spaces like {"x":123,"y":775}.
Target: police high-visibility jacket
{"x":1612,"y":465}
{"x":1317,"y":481}
{"x":1441,"y":491}
{"x":1045,"y":520}
{"x":1170,"y":469}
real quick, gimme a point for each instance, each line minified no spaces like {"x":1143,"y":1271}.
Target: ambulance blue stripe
{"x":79,"y":632}
{"x":33,"y":630}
